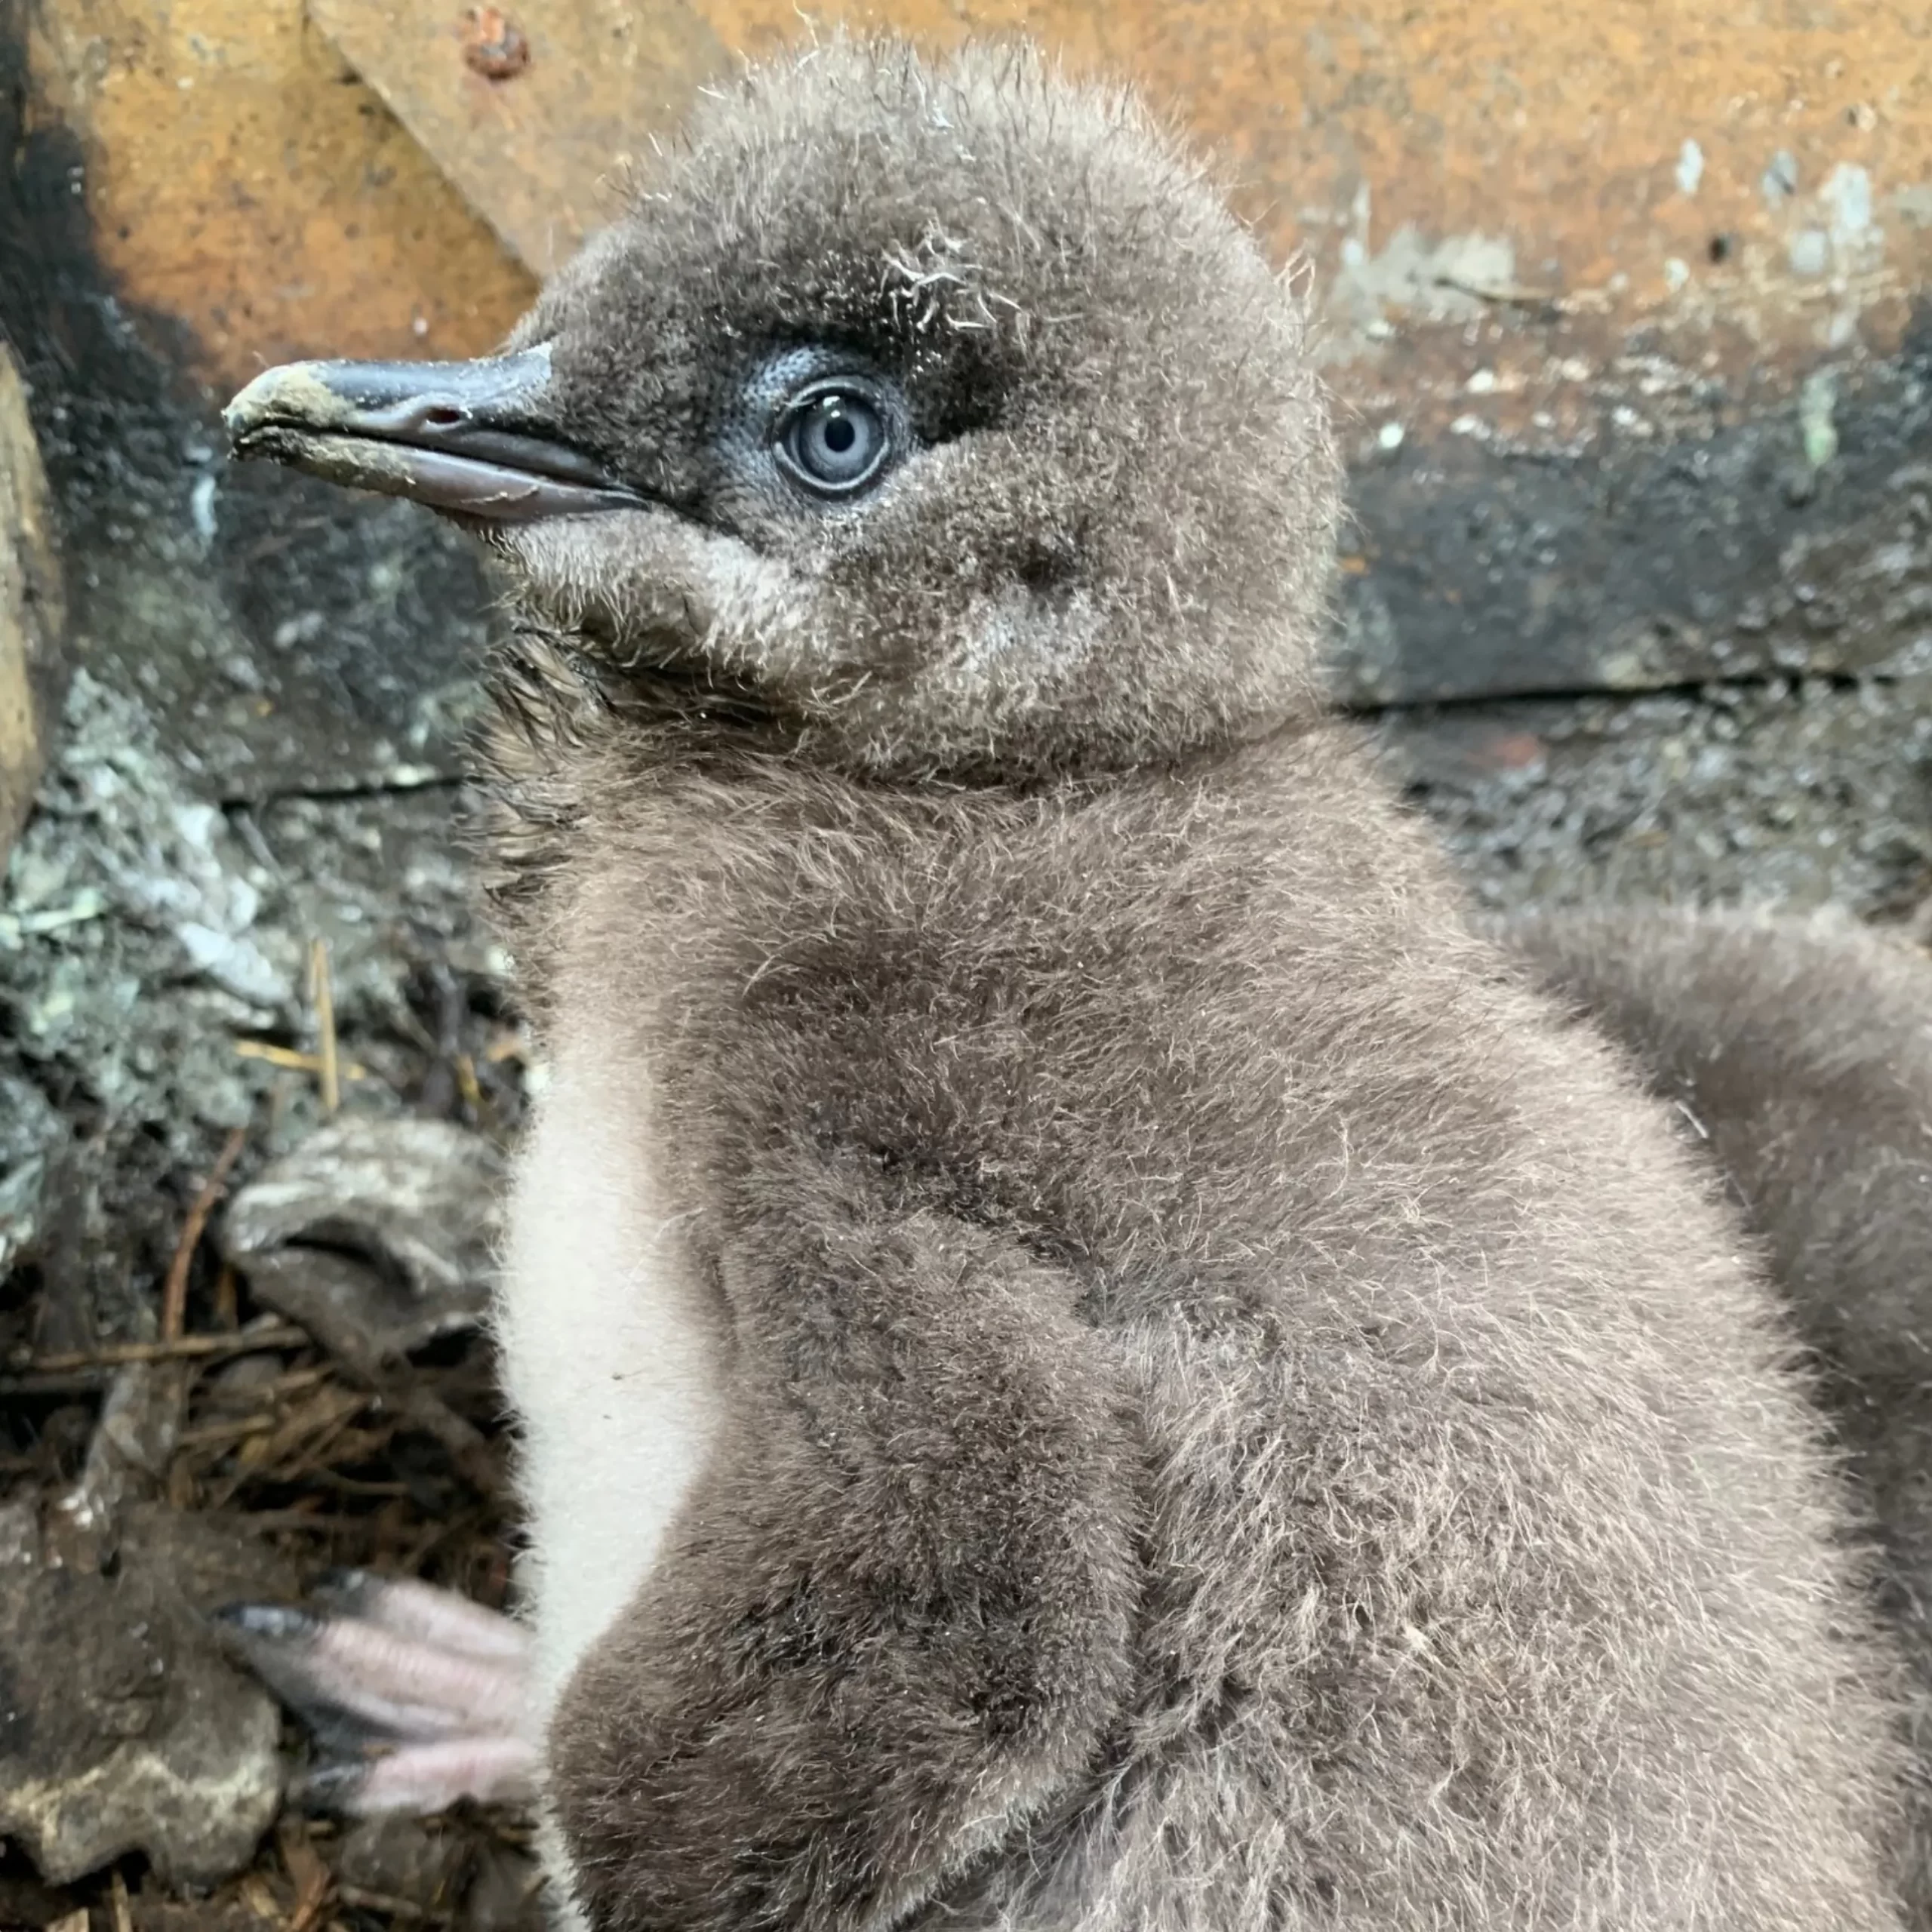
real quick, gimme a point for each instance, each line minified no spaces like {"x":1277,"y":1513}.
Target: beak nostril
{"x":442,"y":416}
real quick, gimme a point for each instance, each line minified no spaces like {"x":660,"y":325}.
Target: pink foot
{"x":415,"y":1696}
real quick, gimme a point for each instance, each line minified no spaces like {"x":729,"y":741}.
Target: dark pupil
{"x":839,"y":434}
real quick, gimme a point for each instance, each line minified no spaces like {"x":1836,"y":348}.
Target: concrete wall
{"x":1624,"y":305}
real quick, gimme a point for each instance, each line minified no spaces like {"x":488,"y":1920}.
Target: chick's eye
{"x":834,"y":441}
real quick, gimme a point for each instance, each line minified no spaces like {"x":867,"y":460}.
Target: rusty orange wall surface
{"x":241,"y":179}
{"x":1751,"y":183}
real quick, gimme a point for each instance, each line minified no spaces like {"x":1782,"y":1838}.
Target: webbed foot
{"x":415,"y":1696}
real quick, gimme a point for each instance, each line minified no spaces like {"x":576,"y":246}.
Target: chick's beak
{"x":474,"y":439}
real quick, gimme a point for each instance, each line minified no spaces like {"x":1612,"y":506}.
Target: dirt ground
{"x":169,"y":1438}
{"x":238,"y":1340}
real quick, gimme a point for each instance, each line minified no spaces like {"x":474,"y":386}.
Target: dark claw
{"x":330,"y":1785}
{"x":273,"y":1622}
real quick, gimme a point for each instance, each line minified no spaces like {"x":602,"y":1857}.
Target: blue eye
{"x":834,"y":438}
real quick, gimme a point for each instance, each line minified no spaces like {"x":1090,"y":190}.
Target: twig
{"x":119,"y":1354}
{"x":311,"y":1876}
{"x":316,"y":1521}
{"x":124,"y":1919}
{"x":461,"y":1441}
{"x":344,"y":1485}
{"x":227,"y":1313}
{"x":293,"y":1059}
{"x":364,"y":1900}
{"x":309,"y":1432}
{"x":311,"y":1902}
{"x":418,"y":1407}
{"x":1508,"y":295}
{"x":236,"y":1429}
{"x":290,"y":1382}
{"x":174,"y":1294}
{"x":324,"y":998}
{"x":468,"y":1086}
{"x":259,"y":1421}
{"x":507,"y":1043}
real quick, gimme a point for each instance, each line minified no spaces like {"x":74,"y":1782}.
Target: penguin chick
{"x":1799,"y":1050}
{"x":1088,"y":1355}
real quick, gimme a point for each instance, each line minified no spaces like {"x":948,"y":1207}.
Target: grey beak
{"x":470,"y":438}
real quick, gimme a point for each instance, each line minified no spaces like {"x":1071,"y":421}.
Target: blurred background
{"x":1625,"y":310}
